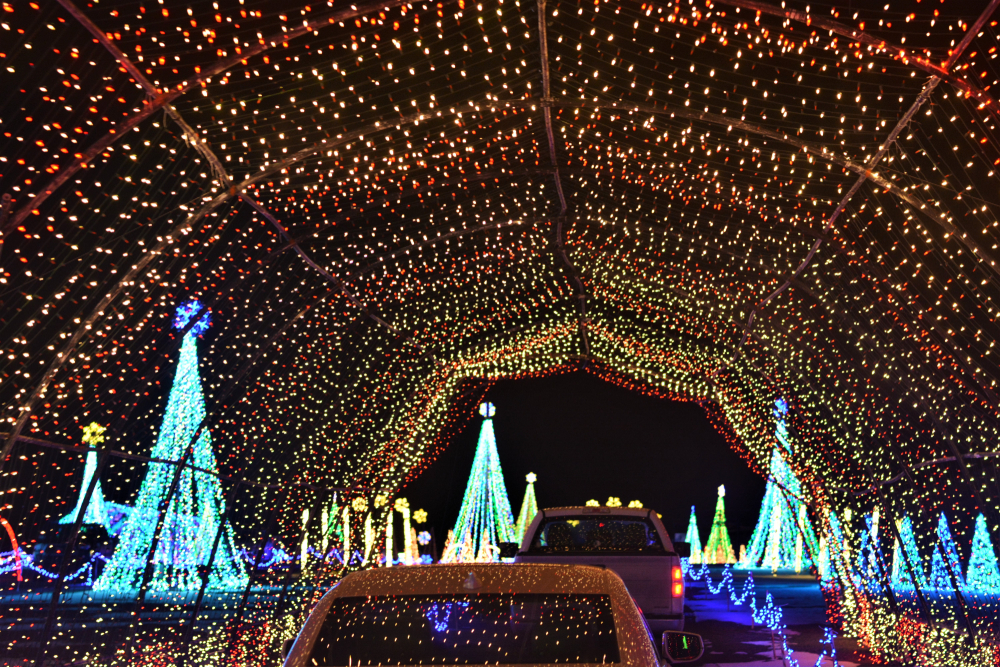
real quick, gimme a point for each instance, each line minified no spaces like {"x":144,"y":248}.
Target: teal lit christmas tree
{"x":783,"y":537}
{"x":694,"y":539}
{"x":719,"y":549}
{"x":529,"y":508}
{"x":193,"y":517}
{"x":484,"y":519}
{"x":905,"y":558}
{"x":96,"y":513}
{"x":945,"y":549}
{"x":983,"y":577}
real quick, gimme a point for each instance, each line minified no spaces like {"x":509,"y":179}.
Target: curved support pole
{"x":161,"y":247}
{"x":818,"y":151}
{"x":906,"y":56}
{"x":379,"y":261}
{"x":871,"y":164}
{"x":166,"y":96}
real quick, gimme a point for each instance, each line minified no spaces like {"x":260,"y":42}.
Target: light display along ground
{"x":386,"y":207}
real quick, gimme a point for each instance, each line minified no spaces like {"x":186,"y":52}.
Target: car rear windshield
{"x":596,"y":534}
{"x":505,"y":629}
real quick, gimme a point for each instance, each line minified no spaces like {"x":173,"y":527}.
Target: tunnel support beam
{"x":580,"y":293}
{"x":898,"y":52}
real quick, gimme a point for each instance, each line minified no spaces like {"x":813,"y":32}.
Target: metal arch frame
{"x":415,"y":192}
{"x":163,"y":97}
{"x":870,"y":165}
{"x":985,"y":392}
{"x":776,"y":353}
{"x":203,"y":148}
{"x":583,"y":319}
{"x":275,"y":167}
{"x":162,"y":100}
{"x":822,"y":153}
{"x":482,"y":176}
{"x":168,"y":239}
{"x":906,"y":56}
{"x":690,"y":240}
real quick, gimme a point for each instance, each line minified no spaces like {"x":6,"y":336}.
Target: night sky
{"x":586,"y":438}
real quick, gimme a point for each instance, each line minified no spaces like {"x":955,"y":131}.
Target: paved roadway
{"x":731,"y":637}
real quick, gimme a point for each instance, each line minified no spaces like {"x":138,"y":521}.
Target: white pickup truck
{"x":630,"y":542}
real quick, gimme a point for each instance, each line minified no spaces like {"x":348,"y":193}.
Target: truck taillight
{"x":677,"y":582}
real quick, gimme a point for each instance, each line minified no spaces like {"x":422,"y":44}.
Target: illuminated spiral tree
{"x":195,"y":513}
{"x":484,"y":519}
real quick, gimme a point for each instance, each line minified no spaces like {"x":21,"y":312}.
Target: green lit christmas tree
{"x":485,"y":519}
{"x":529,"y":508}
{"x":193,"y":517}
{"x":719,"y":549}
{"x":694,"y":539}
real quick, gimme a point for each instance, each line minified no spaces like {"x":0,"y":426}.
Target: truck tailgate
{"x":646,"y":577}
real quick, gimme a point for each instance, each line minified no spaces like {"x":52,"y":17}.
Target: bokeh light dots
{"x":373,"y":212}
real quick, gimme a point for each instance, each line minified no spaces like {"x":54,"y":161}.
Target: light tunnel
{"x":385,"y":207}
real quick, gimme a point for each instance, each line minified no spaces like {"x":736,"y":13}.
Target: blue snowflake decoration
{"x":186,"y":311}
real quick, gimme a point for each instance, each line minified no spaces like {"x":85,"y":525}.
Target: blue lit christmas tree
{"x":529,"y":508}
{"x":983,"y":577}
{"x":96,"y":513}
{"x":905,"y":550}
{"x":484,"y":519}
{"x":945,"y":549}
{"x":193,"y":517}
{"x":694,"y":539}
{"x":869,"y":555}
{"x":777,"y":540}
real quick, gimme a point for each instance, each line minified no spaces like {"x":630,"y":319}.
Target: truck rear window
{"x":596,"y":534}
{"x":492,"y":628}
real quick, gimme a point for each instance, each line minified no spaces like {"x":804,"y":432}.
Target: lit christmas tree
{"x":870,"y":554}
{"x":485,"y":519}
{"x":694,"y":539}
{"x":96,"y":512}
{"x":945,"y":549}
{"x":901,"y":553}
{"x":193,"y":517}
{"x":983,"y":577}
{"x":719,"y":549}
{"x":529,"y":508}
{"x":777,"y":540}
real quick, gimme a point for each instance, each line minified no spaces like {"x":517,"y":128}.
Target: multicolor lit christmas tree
{"x":195,"y":512}
{"x":694,"y":539}
{"x":485,"y":519}
{"x":719,"y":549}
{"x":983,"y":577}
{"x":777,"y":540}
{"x":529,"y":508}
{"x":96,"y":513}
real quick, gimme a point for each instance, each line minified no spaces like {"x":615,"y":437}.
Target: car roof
{"x":603,"y":509}
{"x":451,"y":579}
